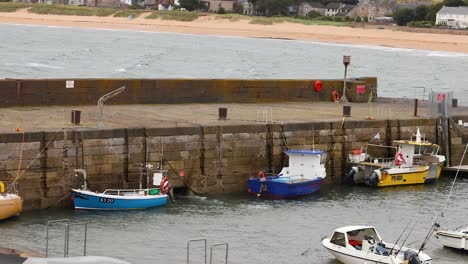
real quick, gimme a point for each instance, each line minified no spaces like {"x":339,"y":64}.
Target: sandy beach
{"x":212,"y":25}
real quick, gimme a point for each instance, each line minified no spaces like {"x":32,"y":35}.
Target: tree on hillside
{"x":453,"y":3}
{"x":420,"y":13}
{"x":432,"y":11}
{"x":191,"y":5}
{"x":403,"y":16}
{"x":273,"y":7}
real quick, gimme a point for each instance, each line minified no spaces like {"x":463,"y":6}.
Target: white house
{"x":453,"y":17}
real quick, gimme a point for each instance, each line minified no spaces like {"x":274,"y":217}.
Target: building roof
{"x":314,"y":4}
{"x":333,"y":5}
{"x":448,"y":10}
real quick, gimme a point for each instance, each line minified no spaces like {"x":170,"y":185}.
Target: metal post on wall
{"x":346,"y":62}
{"x":103,"y":99}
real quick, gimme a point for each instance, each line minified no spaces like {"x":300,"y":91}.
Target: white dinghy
{"x":452,"y":238}
{"x":457,"y":239}
{"x":362,"y":245}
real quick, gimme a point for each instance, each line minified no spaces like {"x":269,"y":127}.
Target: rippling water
{"x":54,"y":52}
{"x":258,"y":231}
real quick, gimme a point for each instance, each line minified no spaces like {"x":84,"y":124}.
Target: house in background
{"x":338,"y":9}
{"x":305,"y":8}
{"x":453,"y":17}
{"x":247,"y":8}
{"x":215,"y":5}
{"x":375,"y":8}
{"x":103,"y":3}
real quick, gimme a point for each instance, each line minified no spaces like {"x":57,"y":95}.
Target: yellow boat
{"x":415,"y":162}
{"x":10,"y":204}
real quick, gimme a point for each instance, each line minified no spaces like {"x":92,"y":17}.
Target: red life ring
{"x":164,"y":185}
{"x":261,"y":175}
{"x":335,"y":96}
{"x":399,"y":159}
{"x":318,"y":86}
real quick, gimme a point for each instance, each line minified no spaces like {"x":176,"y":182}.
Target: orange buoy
{"x":318,"y":86}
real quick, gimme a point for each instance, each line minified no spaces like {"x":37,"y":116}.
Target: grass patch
{"x":12,"y":7}
{"x":262,"y":21}
{"x":71,"y":10}
{"x":276,"y":20}
{"x":174,"y":15}
{"x":232,"y":17}
{"x":126,"y":13}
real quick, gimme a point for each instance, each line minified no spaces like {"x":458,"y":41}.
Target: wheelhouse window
{"x":338,"y":239}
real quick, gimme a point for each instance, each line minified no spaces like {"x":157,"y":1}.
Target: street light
{"x":346,"y":62}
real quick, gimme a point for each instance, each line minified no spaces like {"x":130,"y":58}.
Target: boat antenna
{"x":436,"y":222}
{"x":404,"y":230}
{"x":409,"y":233}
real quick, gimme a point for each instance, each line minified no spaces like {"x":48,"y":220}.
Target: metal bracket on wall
{"x":103,"y":99}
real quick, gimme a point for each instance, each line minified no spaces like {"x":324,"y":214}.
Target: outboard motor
{"x":374,"y":178}
{"x":349,"y":177}
{"x":412,"y":257}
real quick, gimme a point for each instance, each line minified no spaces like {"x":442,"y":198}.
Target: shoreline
{"x":213,"y":26}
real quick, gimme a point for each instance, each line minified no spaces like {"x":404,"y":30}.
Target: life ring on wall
{"x":318,"y":85}
{"x":164,"y":185}
{"x":335,"y":96}
{"x":399,"y":159}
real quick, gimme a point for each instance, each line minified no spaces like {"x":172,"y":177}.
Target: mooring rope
{"x":18,"y":175}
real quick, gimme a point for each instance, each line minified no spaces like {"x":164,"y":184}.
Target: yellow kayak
{"x":10,"y":205}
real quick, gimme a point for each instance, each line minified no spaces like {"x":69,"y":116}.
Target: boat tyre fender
{"x":374,"y":178}
{"x":349,"y":177}
{"x":164,"y":185}
{"x":335,"y":96}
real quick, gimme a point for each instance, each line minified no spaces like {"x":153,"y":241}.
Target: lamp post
{"x":346,"y":62}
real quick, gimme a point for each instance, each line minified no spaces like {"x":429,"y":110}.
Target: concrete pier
{"x":215,"y":155}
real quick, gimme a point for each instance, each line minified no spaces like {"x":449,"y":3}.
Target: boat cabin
{"x":364,"y":238}
{"x":306,"y":164}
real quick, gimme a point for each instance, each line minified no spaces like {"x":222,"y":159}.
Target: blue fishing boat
{"x":120,"y":199}
{"x":304,"y":175}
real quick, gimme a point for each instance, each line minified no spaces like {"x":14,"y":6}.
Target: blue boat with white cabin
{"x":304,"y":175}
{"x":118,"y":199}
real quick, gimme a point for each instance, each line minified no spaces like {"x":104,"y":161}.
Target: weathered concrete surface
{"x":216,"y":155}
{"x":173,"y":115}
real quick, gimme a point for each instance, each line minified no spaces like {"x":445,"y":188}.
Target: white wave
{"x":446,"y":54}
{"x":40,"y":65}
{"x":121,"y":70}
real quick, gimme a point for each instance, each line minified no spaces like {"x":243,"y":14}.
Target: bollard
{"x":454,"y":103}
{"x":347,"y":110}
{"x":75,"y":117}
{"x":222,"y":113}
{"x":415,"y":107}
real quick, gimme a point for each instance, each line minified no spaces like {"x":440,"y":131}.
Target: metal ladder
{"x":66,"y":228}
{"x":205,"y":241}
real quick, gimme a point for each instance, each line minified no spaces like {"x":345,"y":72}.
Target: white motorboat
{"x":454,"y":238}
{"x":362,"y":245}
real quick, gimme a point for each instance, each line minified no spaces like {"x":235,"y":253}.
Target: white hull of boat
{"x":10,"y":205}
{"x":357,"y":257}
{"x":453,"y":239}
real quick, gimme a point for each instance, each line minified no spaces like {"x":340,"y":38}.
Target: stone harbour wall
{"x":214,"y":159}
{"x":46,"y":92}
